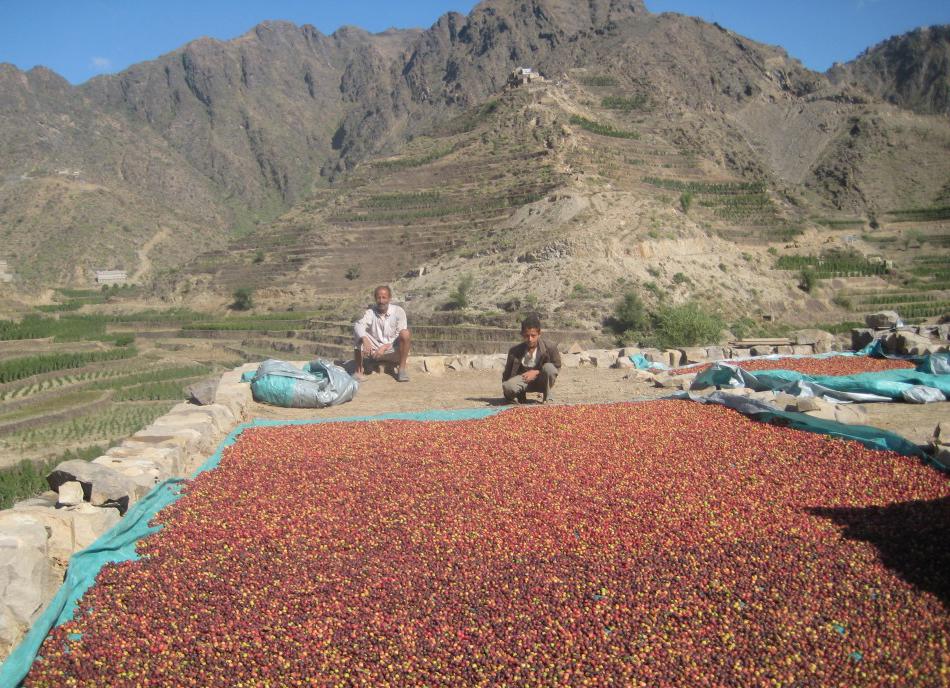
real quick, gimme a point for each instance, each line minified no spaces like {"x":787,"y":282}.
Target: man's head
{"x":382,"y":294}
{"x":531,"y":331}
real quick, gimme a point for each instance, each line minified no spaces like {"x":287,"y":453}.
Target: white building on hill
{"x":111,"y":276}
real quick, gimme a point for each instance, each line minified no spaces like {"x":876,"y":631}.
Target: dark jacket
{"x":546,"y":354}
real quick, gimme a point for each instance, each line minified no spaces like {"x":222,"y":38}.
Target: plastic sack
{"x":935,"y":364}
{"x":320,"y":384}
{"x":642,"y":363}
{"x":921,"y":394}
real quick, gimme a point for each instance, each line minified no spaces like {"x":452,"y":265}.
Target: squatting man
{"x":532,"y":366}
{"x":382,"y":335}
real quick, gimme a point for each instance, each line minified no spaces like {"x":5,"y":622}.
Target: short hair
{"x":383,"y":286}
{"x":531,"y":322}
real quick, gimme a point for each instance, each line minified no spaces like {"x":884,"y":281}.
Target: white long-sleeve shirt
{"x":381,"y":329}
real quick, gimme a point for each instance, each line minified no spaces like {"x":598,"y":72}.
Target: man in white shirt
{"x":382,"y":334}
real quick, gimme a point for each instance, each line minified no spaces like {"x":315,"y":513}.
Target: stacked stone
{"x":897,"y":338}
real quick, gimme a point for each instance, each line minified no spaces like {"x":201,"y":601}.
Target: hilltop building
{"x":523,"y":76}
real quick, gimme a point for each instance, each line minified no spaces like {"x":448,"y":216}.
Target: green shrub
{"x":243,"y":299}
{"x":687,"y":325}
{"x":842,"y":301}
{"x":460,"y":297}
{"x":686,"y":199}
{"x":629,"y":315}
{"x":807,"y":280}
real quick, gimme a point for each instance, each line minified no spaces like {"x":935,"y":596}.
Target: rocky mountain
{"x":911,"y":70}
{"x":210,"y":158}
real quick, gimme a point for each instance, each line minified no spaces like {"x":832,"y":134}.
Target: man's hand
{"x":370,"y":352}
{"x":530,"y":375}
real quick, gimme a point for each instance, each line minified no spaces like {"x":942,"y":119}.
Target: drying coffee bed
{"x":664,"y":543}
{"x":833,"y":365}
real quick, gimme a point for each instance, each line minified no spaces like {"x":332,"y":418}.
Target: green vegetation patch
{"x":598,"y":80}
{"x":920,"y":214}
{"x":27,"y":366}
{"x":603,"y":129}
{"x":105,"y":425}
{"x":832,"y":264}
{"x":403,"y":200}
{"x":416,"y":161}
{"x":840,"y":223}
{"x":707,"y":188}
{"x":624,"y":104}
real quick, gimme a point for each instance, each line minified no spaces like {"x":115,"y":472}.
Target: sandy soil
{"x":380,"y":394}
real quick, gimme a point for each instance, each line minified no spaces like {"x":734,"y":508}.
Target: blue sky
{"x":82,"y":38}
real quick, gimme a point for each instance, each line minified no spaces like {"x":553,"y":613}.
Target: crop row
{"x":420,"y":214}
{"x":711,"y":188}
{"x":173,"y":390}
{"x":920,"y":214}
{"x":392,"y":201}
{"x":931,"y":271}
{"x":925,"y":310}
{"x":841,"y":265}
{"x":623,"y":103}
{"x":417,"y":161}
{"x":244,"y":324}
{"x":112,"y":423}
{"x":598,"y":80}
{"x":109,"y":377}
{"x":603,"y":129}
{"x":832,"y":223}
{"x":156,"y":375}
{"x":19,"y":368}
{"x":885,"y":299}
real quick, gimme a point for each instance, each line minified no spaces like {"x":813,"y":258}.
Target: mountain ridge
{"x":219,"y":139}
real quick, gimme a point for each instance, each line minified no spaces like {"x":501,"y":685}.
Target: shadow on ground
{"x":912,"y":537}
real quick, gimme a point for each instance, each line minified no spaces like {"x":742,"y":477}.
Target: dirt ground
{"x":380,"y":393}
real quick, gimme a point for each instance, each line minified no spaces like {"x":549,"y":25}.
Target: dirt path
{"x":145,"y":263}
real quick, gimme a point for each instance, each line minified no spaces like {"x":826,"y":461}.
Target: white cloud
{"x":101,"y":64}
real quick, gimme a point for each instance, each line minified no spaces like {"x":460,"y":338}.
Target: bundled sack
{"x":319,"y":384}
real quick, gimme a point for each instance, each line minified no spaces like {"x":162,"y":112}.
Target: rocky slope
{"x":911,"y":70}
{"x":263,"y":139}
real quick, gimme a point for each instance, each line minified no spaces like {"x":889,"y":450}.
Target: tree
{"x":243,"y":299}
{"x":808,"y":280}
{"x":460,"y":296}
{"x":687,"y":325}
{"x":686,"y":200}
{"x":629,"y":314}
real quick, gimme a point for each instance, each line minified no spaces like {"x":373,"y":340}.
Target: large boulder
{"x":861,"y":337}
{"x":693,"y":354}
{"x":202,"y":393}
{"x":24,"y":563}
{"x":820,"y":341}
{"x":102,"y":486}
{"x":882,"y":320}
{"x":911,"y":344}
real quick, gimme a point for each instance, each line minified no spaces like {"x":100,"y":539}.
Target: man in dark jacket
{"x":532,"y":366}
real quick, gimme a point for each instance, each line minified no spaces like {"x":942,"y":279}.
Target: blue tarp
{"x":888,"y":385}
